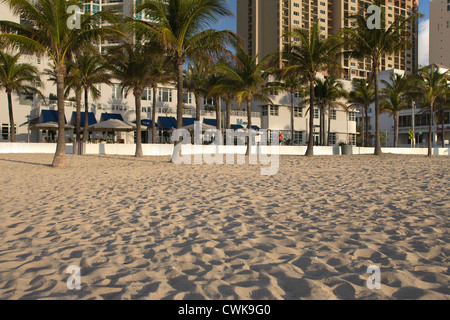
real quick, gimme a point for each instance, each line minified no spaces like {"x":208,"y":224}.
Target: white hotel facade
{"x":30,"y":109}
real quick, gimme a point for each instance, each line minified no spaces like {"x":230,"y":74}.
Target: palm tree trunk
{"x":443,"y":129}
{"x":59,"y":160}
{"x":310,"y":150}
{"x":430,"y":130}
{"x":76,"y":146}
{"x":154,"y":114}
{"x":198,"y":105}
{"x":137,"y":102}
{"x":322,"y":125}
{"x":292,"y":117}
{"x":367,"y":125}
{"x":12,"y":125}
{"x":86,"y":114}
{"x":228,"y":107}
{"x":249,"y":126}
{"x":179,"y":95}
{"x":78,"y":123}
{"x":377,"y":151}
{"x":396,"y":129}
{"x":363,"y":127}
{"x":218,"y":112}
{"x":329,"y":126}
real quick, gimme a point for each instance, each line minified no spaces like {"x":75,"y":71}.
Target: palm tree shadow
{"x":27,"y":162}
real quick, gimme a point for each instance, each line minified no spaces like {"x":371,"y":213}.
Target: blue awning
{"x":256,"y":128}
{"x":167,"y":122}
{"x":108,"y":116}
{"x":51,"y":116}
{"x":147,"y":122}
{"x":188,"y":121}
{"x":236,"y":126}
{"x":91,"y":118}
{"x":210,"y":122}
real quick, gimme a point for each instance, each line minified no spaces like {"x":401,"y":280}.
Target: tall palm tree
{"x":292,"y":82}
{"x":394,"y":99}
{"x":310,"y":56}
{"x":74,"y":83}
{"x":329,"y":91}
{"x":182,"y":29}
{"x":129,"y":64}
{"x":362,"y":96}
{"x":247,"y":77}
{"x":375,"y":44}
{"x":442,"y":105}
{"x":47,"y":31}
{"x":91,"y":69}
{"x":195,"y":81}
{"x":16,"y":77}
{"x":433,"y":83}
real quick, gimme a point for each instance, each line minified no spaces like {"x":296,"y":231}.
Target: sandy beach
{"x":149,"y":229}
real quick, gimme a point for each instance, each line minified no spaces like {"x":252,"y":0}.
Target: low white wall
{"x":167,"y":149}
{"x":8,"y":147}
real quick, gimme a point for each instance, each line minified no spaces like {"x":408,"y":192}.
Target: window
{"x":164,"y":95}
{"x":296,"y":22}
{"x":147,"y":94}
{"x":209,"y":102}
{"x":332,"y":138}
{"x":274,"y":111}
{"x":298,"y":137}
{"x":352,"y":139}
{"x":265,"y":111}
{"x":117,"y":92}
{"x":333,"y":114}
{"x":187,"y":98}
{"x":351,"y":116}
{"x":5,"y":131}
{"x":298,"y":112}
{"x":316,"y":113}
{"x":296,"y":13}
{"x":296,"y":5}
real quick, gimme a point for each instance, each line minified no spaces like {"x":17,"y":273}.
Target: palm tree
{"x":432,"y":82}
{"x":443,"y":104}
{"x":180,"y":29}
{"x":16,"y":77}
{"x":375,"y":44}
{"x":195,"y":81}
{"x":130,"y":65}
{"x":292,"y":82}
{"x":91,"y":69}
{"x":246,"y":76}
{"x":73,"y":82}
{"x":394,"y":99}
{"x":362,"y":96}
{"x":47,"y":31}
{"x":310,"y":56}
{"x":330,"y":90}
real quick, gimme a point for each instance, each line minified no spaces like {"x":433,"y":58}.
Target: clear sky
{"x":424,"y":5}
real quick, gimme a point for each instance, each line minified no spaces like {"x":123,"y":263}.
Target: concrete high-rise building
{"x":440,"y":32}
{"x":262,"y":25}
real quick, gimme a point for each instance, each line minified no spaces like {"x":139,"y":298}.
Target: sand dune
{"x":148,"y":229}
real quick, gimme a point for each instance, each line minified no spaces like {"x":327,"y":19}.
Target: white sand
{"x":148,"y":229}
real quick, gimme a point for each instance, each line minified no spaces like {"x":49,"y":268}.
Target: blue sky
{"x":230,"y":24}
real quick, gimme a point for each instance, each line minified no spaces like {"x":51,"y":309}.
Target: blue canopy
{"x":51,"y":116}
{"x":147,"y":122}
{"x":188,"y":121}
{"x":236,"y":126}
{"x":108,"y":116}
{"x":91,"y":118}
{"x":210,"y":122}
{"x":168,"y":122}
{"x":256,"y":128}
